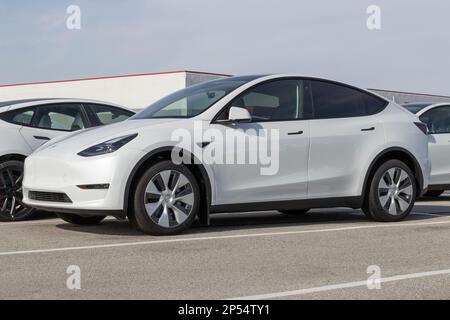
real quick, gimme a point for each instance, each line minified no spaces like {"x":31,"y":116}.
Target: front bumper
{"x":50,"y":174}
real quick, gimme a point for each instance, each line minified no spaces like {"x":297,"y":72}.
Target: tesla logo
{"x":73,"y":22}
{"x":374,"y":19}
{"x":74,"y":280}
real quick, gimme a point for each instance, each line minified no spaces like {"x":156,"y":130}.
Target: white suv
{"x":437,"y":118}
{"x":25,"y":125}
{"x":325,"y":144}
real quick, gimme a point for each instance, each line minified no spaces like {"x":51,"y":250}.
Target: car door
{"x":52,"y":120}
{"x":278,"y":137}
{"x":438,"y":122}
{"x":343,"y":133}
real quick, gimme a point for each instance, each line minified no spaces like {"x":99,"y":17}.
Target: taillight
{"x":422,"y":127}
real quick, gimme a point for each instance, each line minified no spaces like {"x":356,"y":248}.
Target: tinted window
{"x":437,"y":120}
{"x":20,"y":116}
{"x":103,"y":115}
{"x":338,"y":101}
{"x":275,"y":101}
{"x":64,"y":117}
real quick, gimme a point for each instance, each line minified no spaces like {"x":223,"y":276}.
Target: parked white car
{"x":437,"y":118}
{"x":25,"y":125}
{"x":338,"y":146}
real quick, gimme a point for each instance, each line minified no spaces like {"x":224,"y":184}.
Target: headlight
{"x":108,"y":146}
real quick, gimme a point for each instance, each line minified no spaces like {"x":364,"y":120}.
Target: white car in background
{"x":25,"y":125}
{"x":339,"y":146}
{"x":437,"y":118}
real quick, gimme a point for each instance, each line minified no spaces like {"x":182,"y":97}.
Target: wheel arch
{"x":395,"y":153}
{"x":164,"y":153}
{"x":12,"y":156}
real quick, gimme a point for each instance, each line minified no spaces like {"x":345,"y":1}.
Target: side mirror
{"x":237,"y":115}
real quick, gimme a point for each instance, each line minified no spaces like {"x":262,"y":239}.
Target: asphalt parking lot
{"x":324,"y":255}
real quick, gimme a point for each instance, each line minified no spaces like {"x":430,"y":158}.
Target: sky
{"x":325,"y":38}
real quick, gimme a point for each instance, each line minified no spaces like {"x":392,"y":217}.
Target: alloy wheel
{"x":395,"y":191}
{"x":169,"y":198}
{"x":11,"y":205}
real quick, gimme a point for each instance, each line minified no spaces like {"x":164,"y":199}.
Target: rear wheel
{"x":299,"y":212}
{"x":81,"y":220}
{"x":167,"y":199}
{"x":392,"y":192}
{"x":11,"y":206}
{"x":434,"y":193}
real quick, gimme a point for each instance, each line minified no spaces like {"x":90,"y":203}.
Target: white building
{"x":137,"y":91}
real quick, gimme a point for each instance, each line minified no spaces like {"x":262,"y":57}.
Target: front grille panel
{"x":49,"y":197}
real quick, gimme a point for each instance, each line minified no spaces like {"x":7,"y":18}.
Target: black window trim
{"x":432,"y":109}
{"x":228,"y":105}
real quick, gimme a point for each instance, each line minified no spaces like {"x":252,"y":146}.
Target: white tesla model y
{"x":25,"y":125}
{"x":278,"y":142}
{"x":437,"y":118}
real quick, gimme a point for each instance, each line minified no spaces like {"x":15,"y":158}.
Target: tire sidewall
{"x":380,"y":213}
{"x":31,"y":212}
{"x":141,"y":218}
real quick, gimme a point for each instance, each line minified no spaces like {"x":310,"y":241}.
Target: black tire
{"x":11,"y":175}
{"x":150,"y":223}
{"x":374,"y":209}
{"x":434,"y":193}
{"x":81,"y":220}
{"x":299,"y":212}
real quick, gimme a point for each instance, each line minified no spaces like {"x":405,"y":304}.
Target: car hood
{"x":92,"y":136}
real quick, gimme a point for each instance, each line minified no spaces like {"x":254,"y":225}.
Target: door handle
{"x":368,"y":129}
{"x":295,"y":133}
{"x":41,"y":138}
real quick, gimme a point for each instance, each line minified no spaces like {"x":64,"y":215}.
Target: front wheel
{"x":11,"y":206}
{"x":166,"y":200}
{"x":392,"y":192}
{"x":81,"y":220}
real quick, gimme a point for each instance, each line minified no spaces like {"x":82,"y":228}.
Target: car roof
{"x":261,"y":78}
{"x":18,"y":104}
{"x":426,"y":106}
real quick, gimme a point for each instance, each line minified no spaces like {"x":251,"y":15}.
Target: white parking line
{"x":237,"y":236}
{"x":341,"y":286}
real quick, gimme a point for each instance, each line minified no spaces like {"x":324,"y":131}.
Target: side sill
{"x":350,"y":202}
{"x":439,"y":187}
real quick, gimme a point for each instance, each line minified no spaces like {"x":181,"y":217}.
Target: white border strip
{"x":237,"y":236}
{"x":342,"y":286}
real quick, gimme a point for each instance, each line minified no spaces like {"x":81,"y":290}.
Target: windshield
{"x":416,"y":107}
{"x":192,"y":101}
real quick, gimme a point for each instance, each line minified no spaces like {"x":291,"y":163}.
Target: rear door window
{"x":62,"y":117}
{"x":338,"y":101}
